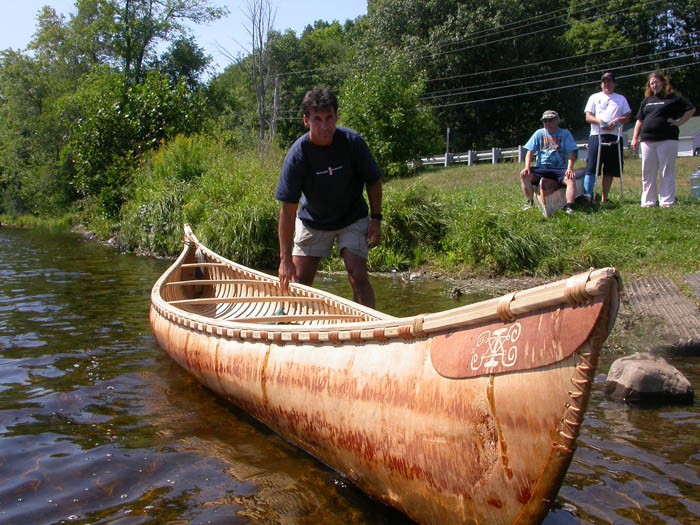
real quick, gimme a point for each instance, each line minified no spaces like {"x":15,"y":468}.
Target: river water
{"x":98,"y":425}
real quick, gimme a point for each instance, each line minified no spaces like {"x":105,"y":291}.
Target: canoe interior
{"x":209,"y":286}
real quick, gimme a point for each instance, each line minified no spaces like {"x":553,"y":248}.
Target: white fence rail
{"x":493,"y":156}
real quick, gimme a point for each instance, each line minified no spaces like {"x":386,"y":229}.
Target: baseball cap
{"x":550,"y":114}
{"x":607,"y":76}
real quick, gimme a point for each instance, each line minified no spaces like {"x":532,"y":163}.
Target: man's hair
{"x":319,"y":99}
{"x":663,"y":78}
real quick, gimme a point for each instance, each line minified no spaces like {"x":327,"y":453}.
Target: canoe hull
{"x":490,"y":448}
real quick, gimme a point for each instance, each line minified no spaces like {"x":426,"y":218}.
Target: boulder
{"x":644,"y":378}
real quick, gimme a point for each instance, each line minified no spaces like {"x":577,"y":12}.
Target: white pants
{"x":659,"y":156}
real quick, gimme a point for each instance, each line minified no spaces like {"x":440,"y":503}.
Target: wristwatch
{"x":377,"y":216}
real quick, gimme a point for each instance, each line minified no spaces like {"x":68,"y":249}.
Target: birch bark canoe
{"x":468,"y":415}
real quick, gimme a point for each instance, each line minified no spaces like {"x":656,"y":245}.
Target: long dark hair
{"x":663,"y":78}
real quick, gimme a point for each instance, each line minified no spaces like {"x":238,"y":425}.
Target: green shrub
{"x":226,"y":196}
{"x":493,"y":241}
{"x":414,"y":225}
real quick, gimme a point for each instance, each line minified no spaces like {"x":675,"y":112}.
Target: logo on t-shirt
{"x":330,"y":170}
{"x":550,"y":143}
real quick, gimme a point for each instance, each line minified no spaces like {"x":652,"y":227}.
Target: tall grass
{"x":225,"y":195}
{"x":413,"y":227}
{"x":64,"y":223}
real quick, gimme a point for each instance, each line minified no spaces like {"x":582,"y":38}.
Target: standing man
{"x":556,"y":152}
{"x":326,"y":171}
{"x":605,"y":112}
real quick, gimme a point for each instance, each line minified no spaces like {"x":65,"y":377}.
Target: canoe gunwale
{"x":575,"y":291}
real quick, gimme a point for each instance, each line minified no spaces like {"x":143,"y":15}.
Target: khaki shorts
{"x":319,"y":243}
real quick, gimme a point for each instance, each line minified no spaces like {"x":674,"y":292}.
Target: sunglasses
{"x":548,"y":119}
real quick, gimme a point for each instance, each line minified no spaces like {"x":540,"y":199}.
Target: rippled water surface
{"x":98,"y":425}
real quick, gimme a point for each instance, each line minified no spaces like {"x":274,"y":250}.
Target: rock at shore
{"x":644,"y":378}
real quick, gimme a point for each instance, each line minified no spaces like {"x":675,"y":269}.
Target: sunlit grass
{"x":488,"y":232}
{"x":64,"y":223}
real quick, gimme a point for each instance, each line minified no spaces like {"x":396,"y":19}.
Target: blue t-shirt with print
{"x":552,"y":150}
{"x":328,"y":181}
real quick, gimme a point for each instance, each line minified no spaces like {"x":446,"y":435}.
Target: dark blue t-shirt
{"x":328,"y":181}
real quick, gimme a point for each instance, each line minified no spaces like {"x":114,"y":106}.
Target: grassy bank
{"x":465,"y":221}
{"x":488,"y":225}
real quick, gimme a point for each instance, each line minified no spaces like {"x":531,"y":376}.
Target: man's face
{"x":551,"y":125}
{"x":321,"y":124}
{"x":608,"y":86}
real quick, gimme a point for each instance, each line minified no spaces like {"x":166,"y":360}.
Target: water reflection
{"x":98,"y":425}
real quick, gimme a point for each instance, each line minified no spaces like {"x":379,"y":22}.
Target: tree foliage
{"x":119,"y":123}
{"x":320,"y":57}
{"x":185,"y":60}
{"x":383,"y":107}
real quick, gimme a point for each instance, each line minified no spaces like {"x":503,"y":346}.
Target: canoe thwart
{"x":196,"y":282}
{"x":247,"y":299}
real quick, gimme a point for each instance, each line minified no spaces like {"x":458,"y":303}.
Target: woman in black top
{"x":660,"y":115}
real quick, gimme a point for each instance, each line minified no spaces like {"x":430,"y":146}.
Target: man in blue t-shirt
{"x":321,"y":190}
{"x":556,"y":152}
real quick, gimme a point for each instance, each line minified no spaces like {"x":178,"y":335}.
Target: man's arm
{"x":526,"y":170}
{"x":590,"y":118}
{"x":374,"y":194}
{"x":607,"y":126}
{"x":285,"y":231}
{"x":624,"y":119}
{"x":570,"y":164}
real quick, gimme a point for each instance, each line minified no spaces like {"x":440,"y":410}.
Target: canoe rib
{"x":467,"y":415}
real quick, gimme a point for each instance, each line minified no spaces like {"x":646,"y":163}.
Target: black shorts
{"x":557,"y":174}
{"x":609,"y":155}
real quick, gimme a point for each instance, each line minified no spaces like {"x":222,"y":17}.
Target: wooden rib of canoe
{"x":465,"y":415}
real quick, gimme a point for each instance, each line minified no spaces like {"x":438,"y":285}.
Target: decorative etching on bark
{"x":501,"y":348}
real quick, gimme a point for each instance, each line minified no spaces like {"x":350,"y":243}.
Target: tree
{"x":32,"y":133}
{"x":470,"y":51}
{"x":119,"y":123}
{"x":382,"y":105}
{"x":231,"y":112}
{"x":126,"y":33}
{"x":261,"y":16}
{"x":320,"y":56}
{"x":184,"y":59}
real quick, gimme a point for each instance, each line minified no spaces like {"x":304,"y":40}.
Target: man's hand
{"x":373,"y":233}
{"x":285,"y":230}
{"x":617,"y":122}
{"x":525,"y":172}
{"x":569,"y":174}
{"x":287,"y":273}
